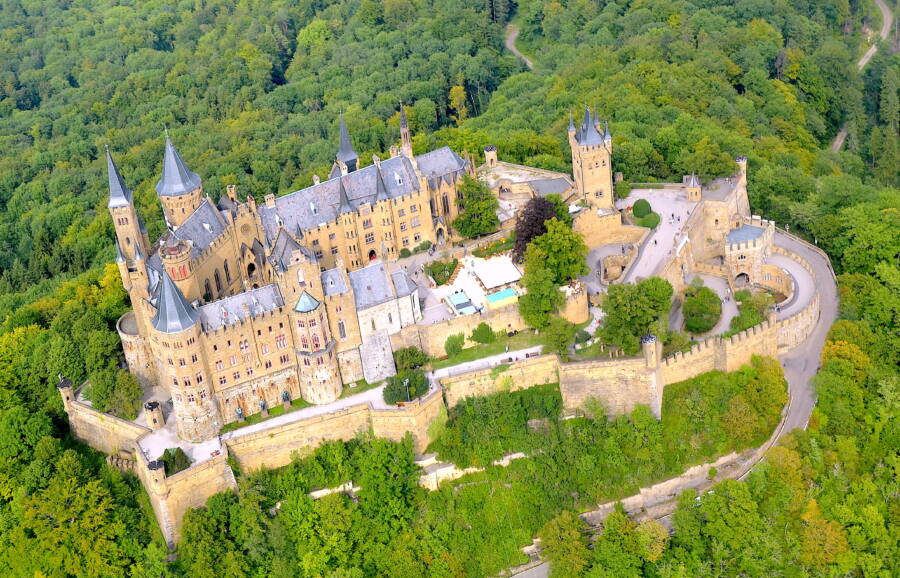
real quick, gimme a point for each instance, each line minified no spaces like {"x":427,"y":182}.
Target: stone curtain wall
{"x":102,"y":431}
{"x":173,"y":496}
{"x":273,"y":448}
{"x":619,"y":384}
{"x":520,"y":375}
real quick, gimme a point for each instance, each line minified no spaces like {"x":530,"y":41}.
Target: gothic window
{"x":401,"y":213}
{"x":312,"y":322}
{"x":227,"y":271}
{"x":413,"y":208}
{"x":220,"y":365}
{"x":172,"y":363}
{"x":319,"y":254}
{"x":390,"y":318}
{"x":300,"y":323}
{"x":268,"y":364}
{"x":190,"y":398}
{"x":207,"y":290}
{"x":417,"y":237}
{"x":233,"y":360}
{"x":742,"y":257}
{"x":367,"y":223}
{"x":218,"y":281}
{"x":198,"y":378}
{"x":249,"y":372}
{"x":306,"y":361}
{"x":175,"y":381}
{"x":280,"y":342}
{"x":403,"y":226}
{"x":202,"y":394}
{"x":334,"y":250}
{"x":194,"y":358}
{"x":283,"y":359}
{"x":237,"y":375}
{"x":370,"y":238}
{"x":245,"y":346}
{"x":342,"y":331}
{"x":320,"y":360}
{"x":405,"y":241}
{"x":182,"y":362}
{"x":315,"y":341}
{"x":223,"y":380}
{"x":415,"y":222}
{"x":265,"y":349}
{"x":303,"y":342}
{"x":186,"y":381}
{"x":446,"y":202}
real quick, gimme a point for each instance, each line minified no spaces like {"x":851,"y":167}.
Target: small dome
{"x":306,"y":303}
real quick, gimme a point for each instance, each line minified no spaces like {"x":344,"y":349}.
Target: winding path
{"x":512,"y":32}
{"x":800,"y":365}
{"x":887,"y":20}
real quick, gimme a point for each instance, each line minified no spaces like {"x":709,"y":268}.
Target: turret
{"x":178,"y":341}
{"x":320,"y":378}
{"x":130,"y":236}
{"x":176,"y":259}
{"x":592,"y":160}
{"x":345,"y":153}
{"x":490,"y":155}
{"x":405,"y":138}
{"x":179,"y":189}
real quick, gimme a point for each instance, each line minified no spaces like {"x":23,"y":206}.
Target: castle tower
{"x":346,"y":154}
{"x":175,"y":255}
{"x":179,"y":189}
{"x":130,"y":234}
{"x":592,"y":160}
{"x":405,"y":138}
{"x":183,"y":369}
{"x":320,"y":377}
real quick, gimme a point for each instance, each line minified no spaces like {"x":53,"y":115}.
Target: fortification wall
{"x":431,"y":338}
{"x":102,"y":431}
{"x":604,"y":229}
{"x":723,"y":354}
{"x":274,"y":447}
{"x":795,"y":329}
{"x":515,"y":376}
{"x":171,"y":497}
{"x":620,"y":384}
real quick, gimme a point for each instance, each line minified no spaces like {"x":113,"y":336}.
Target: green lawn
{"x":520,"y":341}
{"x":257,"y":417}
{"x":358,"y":387}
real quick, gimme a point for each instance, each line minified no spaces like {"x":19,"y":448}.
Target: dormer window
{"x":207,"y":227}
{"x":398,"y":178}
{"x":313,"y":209}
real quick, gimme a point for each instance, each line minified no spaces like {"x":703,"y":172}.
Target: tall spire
{"x":173,"y":312}
{"x":405,"y":137}
{"x":571,"y":122}
{"x":119,"y":195}
{"x":588,"y":135}
{"x":607,"y":135}
{"x":176,"y":178}
{"x":346,"y":154}
{"x":343,"y":202}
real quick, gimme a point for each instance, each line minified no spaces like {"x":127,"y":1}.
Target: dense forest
{"x":251,"y":91}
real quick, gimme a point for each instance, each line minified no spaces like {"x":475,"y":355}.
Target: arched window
{"x":218,"y":281}
{"x":207,"y":290}
{"x":342,"y":331}
{"x":303,"y":343}
{"x":315,"y":339}
{"x":227,"y":271}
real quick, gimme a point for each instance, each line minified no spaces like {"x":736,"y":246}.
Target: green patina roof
{"x":306,"y":303}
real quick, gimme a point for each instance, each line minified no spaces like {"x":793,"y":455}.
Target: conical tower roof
{"x":381,"y":192}
{"x":571,"y":123}
{"x":588,"y":135}
{"x":120,"y":257}
{"x":345,"y":151}
{"x":119,"y":195}
{"x":344,"y":205}
{"x":403,"y":122}
{"x":173,"y":312}
{"x":176,"y":178}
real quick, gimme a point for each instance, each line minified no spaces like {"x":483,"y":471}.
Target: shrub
{"x":641,"y":208}
{"x":409,"y":358}
{"x":582,"y":336}
{"x":441,"y":271}
{"x":651,"y":221}
{"x":404,"y":253}
{"x":483,"y":333}
{"x":405,"y":386}
{"x":454,"y":344}
{"x":622,"y":189}
{"x":702,"y":309}
{"x":175,"y":460}
{"x":423,"y":246}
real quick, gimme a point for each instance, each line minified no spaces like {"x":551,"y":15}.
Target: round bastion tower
{"x":176,"y":260}
{"x":320,"y":377}
{"x":176,"y":342}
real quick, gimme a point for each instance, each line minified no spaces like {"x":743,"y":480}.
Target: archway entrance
{"x":372,"y":255}
{"x":742,"y":280}
{"x":440,"y":236}
{"x":251,"y":269}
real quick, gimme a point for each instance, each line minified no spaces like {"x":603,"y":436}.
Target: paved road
{"x":595,"y":264}
{"x":512,"y":32}
{"x":804,"y":286}
{"x":729,"y":307}
{"x":800,"y":365}
{"x":659,"y":245}
{"x":887,"y":20}
{"x":483,"y":363}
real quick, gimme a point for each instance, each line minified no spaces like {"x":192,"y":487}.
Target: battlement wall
{"x":102,"y":431}
{"x":619,"y":384}
{"x":510,"y":377}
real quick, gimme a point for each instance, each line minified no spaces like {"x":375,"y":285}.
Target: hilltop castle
{"x":240,"y":306}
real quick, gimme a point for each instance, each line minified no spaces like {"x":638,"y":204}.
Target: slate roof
{"x":176,"y":178}
{"x":587,"y":134}
{"x":310,"y":207}
{"x":202,"y":228}
{"x":545,"y":187}
{"x":745,"y":233}
{"x":173,"y":312}
{"x":306,"y":303}
{"x":440,"y":162}
{"x":345,"y":150}
{"x":693,"y":181}
{"x":333,"y":282}
{"x":119,"y":195}
{"x":403,"y":284}
{"x":283,"y":248}
{"x":230,"y":310}
{"x":370,"y":286}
